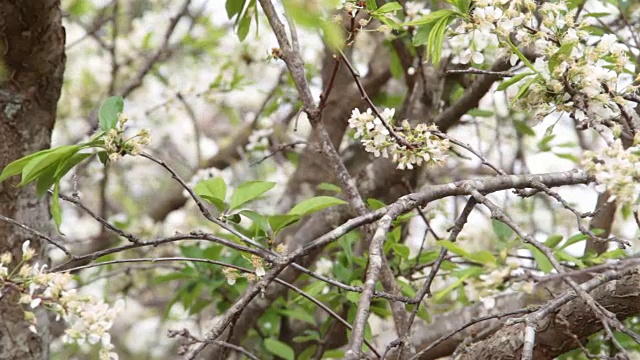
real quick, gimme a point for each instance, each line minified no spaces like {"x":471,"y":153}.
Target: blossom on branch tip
{"x":88,"y":319}
{"x":231,"y":274}
{"x":257,"y":263}
{"x":406,"y":146}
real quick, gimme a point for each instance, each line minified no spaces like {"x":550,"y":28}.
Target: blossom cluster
{"x":232,"y":274}
{"x":616,"y":170}
{"x":88,"y":319}
{"x":409,"y":146}
{"x":568,"y":74}
{"x":116,"y":145}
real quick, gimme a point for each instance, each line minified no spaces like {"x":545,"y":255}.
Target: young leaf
{"x":315,"y":204}
{"x":56,"y":212}
{"x":249,"y":191}
{"x":553,"y":240}
{"x":430,"y":18}
{"x":483,"y":257}
{"x":53,"y":174}
{"x":279,"y":349}
{"x":521,"y":56}
{"x":523,"y":129}
{"x":387,"y":8}
{"x":514,"y":79}
{"x":502,"y":230}
{"x":371,"y":5}
{"x":234,"y":7}
{"x":563,"y":52}
{"x":541,"y":259}
{"x":259,"y":220}
{"x":453,"y":248}
{"x":567,"y":156}
{"x":523,"y":90}
{"x":39,"y":164}
{"x":15,"y":167}
{"x":480,"y":113}
{"x":463,"y":275}
{"x":279,"y":222}
{"x":329,"y":187}
{"x":109,"y":111}
{"x":375,"y":204}
{"x":212,"y":190}
{"x":243,"y":26}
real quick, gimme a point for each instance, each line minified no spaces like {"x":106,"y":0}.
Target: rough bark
{"x":555,"y":334}
{"x":31,"y":67}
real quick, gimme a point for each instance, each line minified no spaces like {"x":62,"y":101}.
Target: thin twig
{"x":38,"y":234}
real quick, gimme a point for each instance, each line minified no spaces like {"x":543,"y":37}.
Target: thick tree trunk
{"x":31,"y":67}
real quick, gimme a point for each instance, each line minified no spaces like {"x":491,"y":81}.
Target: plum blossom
{"x":616,"y":170}
{"x":416,"y":146}
{"x":88,"y":319}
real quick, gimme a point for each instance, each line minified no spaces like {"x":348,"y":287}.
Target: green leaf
{"x":502,"y":230}
{"x":309,"y":16}
{"x":333,"y":354}
{"x":556,"y":59}
{"x":243,"y":26}
{"x":543,"y":144}
{"x":480,"y":113}
{"x":329,"y":187}
{"x":39,"y":164}
{"x":353,"y":297}
{"x":259,"y":220}
{"x":462,"y":276}
{"x":523,"y":129}
{"x":212,"y":190}
{"x":387,"y":8}
{"x":541,"y":259}
{"x":234,"y":218}
{"x":310,"y":335}
{"x":523,"y":90}
{"x":249,"y":191}
{"x":436,"y":38}
{"x":461,"y":5}
{"x":279,"y":222}
{"x":80,"y":7}
{"x":613,"y":254}
{"x":234,"y":7}
{"x":514,"y":79}
{"x":314,"y":204}
{"x":453,"y":248}
{"x":375,"y":204}
{"x":553,"y":240}
{"x":371,"y":5}
{"x":395,"y":66}
{"x":567,"y":156}
{"x":103,"y":157}
{"x":421,"y":36}
{"x":53,"y":174}
{"x":299,"y":314}
{"x":483,"y":257}
{"x":109,"y":111}
{"x":15,"y":167}
{"x":431,"y":18}
{"x":56,"y":212}
{"x":332,"y":36}
{"x":597,"y":14}
{"x":402,"y":250}
{"x":521,"y":56}
{"x":563,"y":256}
